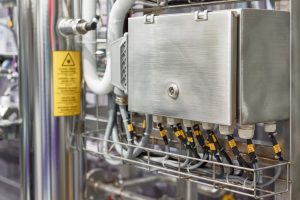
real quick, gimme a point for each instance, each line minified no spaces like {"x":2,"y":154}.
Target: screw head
{"x":173,"y":91}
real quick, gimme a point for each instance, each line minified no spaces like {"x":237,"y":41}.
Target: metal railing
{"x":248,"y":188}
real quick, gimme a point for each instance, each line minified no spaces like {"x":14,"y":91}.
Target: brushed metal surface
{"x":198,"y":56}
{"x":264,"y":57}
{"x":295,"y":100}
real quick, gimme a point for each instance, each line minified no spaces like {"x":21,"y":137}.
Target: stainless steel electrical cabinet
{"x":217,"y":67}
{"x":264,"y":66}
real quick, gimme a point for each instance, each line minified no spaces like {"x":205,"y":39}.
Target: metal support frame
{"x":295,"y":99}
{"x":53,"y":160}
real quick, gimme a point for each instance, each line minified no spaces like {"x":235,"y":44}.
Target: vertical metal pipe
{"x":53,"y":168}
{"x":42,"y":102}
{"x":65,"y":169}
{"x":295,"y":99}
{"x":25,"y":61}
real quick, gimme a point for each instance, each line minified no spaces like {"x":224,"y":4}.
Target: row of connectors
{"x":211,"y":143}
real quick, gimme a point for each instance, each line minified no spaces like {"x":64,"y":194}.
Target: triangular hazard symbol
{"x":68,"y":61}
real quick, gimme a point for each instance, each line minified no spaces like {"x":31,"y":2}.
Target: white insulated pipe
{"x":101,"y":86}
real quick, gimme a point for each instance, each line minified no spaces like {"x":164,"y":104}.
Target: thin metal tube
{"x":143,"y":180}
{"x":96,"y":119}
{"x":25,"y":61}
{"x":10,"y":182}
{"x":120,"y":192}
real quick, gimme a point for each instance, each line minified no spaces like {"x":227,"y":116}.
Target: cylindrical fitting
{"x":207,"y":126}
{"x":226,"y":130}
{"x":159,"y":119}
{"x":246,"y":131}
{"x":187,"y":123}
{"x":270,"y":127}
{"x":68,"y":27}
{"x":172,"y":121}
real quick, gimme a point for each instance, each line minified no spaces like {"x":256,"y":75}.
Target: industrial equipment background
{"x":192,"y":99}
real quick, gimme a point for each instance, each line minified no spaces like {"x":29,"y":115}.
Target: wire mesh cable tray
{"x":94,"y":145}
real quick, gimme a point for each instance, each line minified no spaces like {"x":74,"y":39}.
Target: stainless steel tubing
{"x":53,"y":169}
{"x":119,"y":191}
{"x":142,"y":181}
{"x":26,"y":97}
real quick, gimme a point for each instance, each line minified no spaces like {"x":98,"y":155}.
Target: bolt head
{"x":173,"y":91}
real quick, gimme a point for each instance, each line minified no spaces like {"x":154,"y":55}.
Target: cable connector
{"x":213,"y":139}
{"x":246,"y":131}
{"x":270,"y":129}
{"x":276,"y":147}
{"x":69,"y":27}
{"x":130,"y":129}
{"x":251,"y":151}
{"x":207,"y":126}
{"x":200,"y":138}
{"x":163,"y":133}
{"x":233,"y":145}
{"x":173,"y":121}
{"x":226,"y":130}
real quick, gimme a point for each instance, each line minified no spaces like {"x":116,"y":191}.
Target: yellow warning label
{"x":66,"y":83}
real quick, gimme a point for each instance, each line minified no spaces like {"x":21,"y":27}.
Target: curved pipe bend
{"x":102,"y":86}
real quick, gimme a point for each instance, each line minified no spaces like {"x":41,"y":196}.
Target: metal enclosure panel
{"x":295,"y":100}
{"x":264,"y":66}
{"x":199,"y":56}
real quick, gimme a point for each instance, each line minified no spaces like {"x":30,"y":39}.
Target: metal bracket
{"x":119,"y":62}
{"x":149,"y":19}
{"x":201,"y":16}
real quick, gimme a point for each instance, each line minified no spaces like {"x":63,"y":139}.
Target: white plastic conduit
{"x":101,"y":86}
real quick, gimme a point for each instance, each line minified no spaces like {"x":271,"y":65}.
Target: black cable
{"x":197,"y":133}
{"x":251,"y":151}
{"x":181,"y":136}
{"x":222,"y":151}
{"x":276,"y":147}
{"x":214,"y":152}
{"x":191,"y":142}
{"x":236,"y":152}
